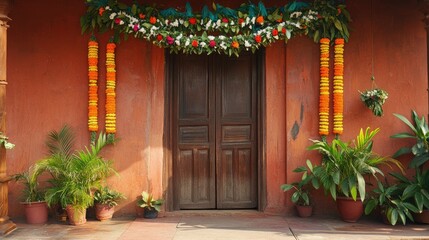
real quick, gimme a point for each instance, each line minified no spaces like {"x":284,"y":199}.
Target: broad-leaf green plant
{"x":420,"y":133}
{"x":301,"y":195}
{"x":107,"y":196}
{"x":415,"y":190}
{"x":344,"y":164}
{"x":147,"y":201}
{"x":392,"y":202}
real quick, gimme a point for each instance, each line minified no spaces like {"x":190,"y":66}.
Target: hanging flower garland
{"x":93,"y":88}
{"x":338,"y":86}
{"x":110,"y":91}
{"x":223,"y":30}
{"x":324,"y":87}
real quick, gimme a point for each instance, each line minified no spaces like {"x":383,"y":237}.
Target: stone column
{"x":6,"y":225}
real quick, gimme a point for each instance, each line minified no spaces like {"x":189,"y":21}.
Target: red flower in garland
{"x":159,"y":37}
{"x":152,"y":20}
{"x":258,"y":39}
{"x":193,"y":21}
{"x":212,"y":43}
{"x":194,"y":43}
{"x":225,"y":20}
{"x":275,"y":32}
{"x":142,"y":16}
{"x":101,"y":11}
{"x":117,"y":20}
{"x":284,"y":30}
{"x":240,"y":21}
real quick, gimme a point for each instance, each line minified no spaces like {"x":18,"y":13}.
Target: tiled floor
{"x":221,"y":225}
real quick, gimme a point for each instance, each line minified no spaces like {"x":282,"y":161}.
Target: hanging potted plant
{"x":36,"y":210}
{"x":150,"y":205}
{"x":301,"y":196}
{"x":343,"y":168}
{"x":105,"y":201}
{"x":374,"y":100}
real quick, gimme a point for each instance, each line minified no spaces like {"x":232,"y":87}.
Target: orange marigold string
{"x":93,"y":87}
{"x":338,"y":86}
{"x":110,"y":91}
{"x":324,"y":87}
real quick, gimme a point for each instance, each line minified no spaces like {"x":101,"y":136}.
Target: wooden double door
{"x":215,"y":128}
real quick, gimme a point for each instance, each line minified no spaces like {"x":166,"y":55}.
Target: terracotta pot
{"x":104,"y":212}
{"x":304,"y":211}
{"x":36,"y":212}
{"x":76,"y":216}
{"x":150,"y":213}
{"x":422,"y":217}
{"x":349,"y":209}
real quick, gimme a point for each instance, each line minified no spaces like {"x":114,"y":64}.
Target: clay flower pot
{"x":422,"y":217}
{"x":36,"y":212}
{"x":104,"y":212}
{"x":76,"y":216}
{"x":349,"y":209}
{"x":304,"y":211}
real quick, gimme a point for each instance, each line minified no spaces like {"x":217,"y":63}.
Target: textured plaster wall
{"x":47,"y":74}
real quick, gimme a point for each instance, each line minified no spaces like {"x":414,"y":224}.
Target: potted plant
{"x":419,"y":185}
{"x":105,"y":201}
{"x":75,"y":174}
{"x":343,"y":168}
{"x":36,"y":210}
{"x":415,"y":191}
{"x":150,"y":205}
{"x":301,"y":196}
{"x":392,"y":203}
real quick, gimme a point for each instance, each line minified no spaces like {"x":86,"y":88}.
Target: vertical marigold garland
{"x":324,"y":87}
{"x":93,"y":87}
{"x":338,"y":85}
{"x":110,"y":91}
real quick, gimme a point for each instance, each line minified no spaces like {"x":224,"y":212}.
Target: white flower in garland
{"x":112,"y":16}
{"x":247,"y":44}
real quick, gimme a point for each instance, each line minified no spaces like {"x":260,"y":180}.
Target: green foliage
{"x":415,"y":190}
{"x":344,"y":164}
{"x":31,"y":192}
{"x":215,"y":31}
{"x":108,"y":196}
{"x":147,"y":201}
{"x":392,"y":201}
{"x":374,"y":100}
{"x":301,"y":196}
{"x":420,"y":133}
{"x":75,"y":174}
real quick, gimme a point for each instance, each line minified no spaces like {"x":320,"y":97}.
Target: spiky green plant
{"x":75,"y":174}
{"x":344,"y":164}
{"x":31,"y":192}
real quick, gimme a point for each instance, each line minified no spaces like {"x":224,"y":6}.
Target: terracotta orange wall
{"x":48,"y":87}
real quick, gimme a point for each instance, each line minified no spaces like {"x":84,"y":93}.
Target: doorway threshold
{"x":215,"y":212}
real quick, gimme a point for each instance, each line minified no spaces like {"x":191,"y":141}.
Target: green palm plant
{"x":75,"y":174}
{"x":344,"y":164}
{"x":31,"y":192}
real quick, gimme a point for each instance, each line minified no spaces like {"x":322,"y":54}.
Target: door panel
{"x":194,"y":163}
{"x":215,"y":145}
{"x":236,"y":139}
